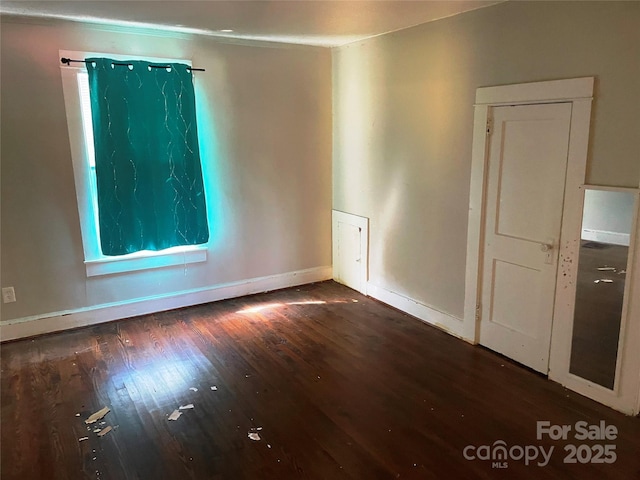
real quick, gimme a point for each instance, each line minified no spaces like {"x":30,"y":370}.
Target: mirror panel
{"x":607,"y":220}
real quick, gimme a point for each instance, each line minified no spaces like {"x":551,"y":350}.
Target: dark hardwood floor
{"x":336,"y":385}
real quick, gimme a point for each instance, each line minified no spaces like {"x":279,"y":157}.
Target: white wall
{"x":403,"y":118}
{"x":608,"y":216}
{"x":268,"y":142}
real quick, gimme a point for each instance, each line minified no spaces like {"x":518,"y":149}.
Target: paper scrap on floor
{"x":175,"y":415}
{"x":97,"y":416}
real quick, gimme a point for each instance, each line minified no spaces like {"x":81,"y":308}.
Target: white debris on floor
{"x":175,"y":415}
{"x":185,"y":407}
{"x":253,"y":433}
{"x":98,"y":430}
{"x":213,"y":387}
{"x":607,"y":269}
{"x":193,"y":389}
{"x":97,"y":416}
{"x":603,"y":280}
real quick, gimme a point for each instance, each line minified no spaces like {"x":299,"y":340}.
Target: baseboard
{"x":603,"y":236}
{"x":427,"y":314}
{"x":58,"y":321}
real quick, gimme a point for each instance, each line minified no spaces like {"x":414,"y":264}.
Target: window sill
{"x":146,"y":260}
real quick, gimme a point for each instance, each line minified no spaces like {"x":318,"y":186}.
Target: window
{"x":186,"y":246}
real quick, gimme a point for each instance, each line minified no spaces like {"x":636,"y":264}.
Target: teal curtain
{"x":149,"y":178}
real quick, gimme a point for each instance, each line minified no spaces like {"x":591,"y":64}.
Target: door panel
{"x":530,"y":188}
{"x":508,"y":280}
{"x":525,"y":190}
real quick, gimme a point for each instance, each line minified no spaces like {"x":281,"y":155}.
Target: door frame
{"x":578,"y":92}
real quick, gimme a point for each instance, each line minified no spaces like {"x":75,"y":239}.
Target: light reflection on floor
{"x":161,"y":380}
{"x":271,"y":306}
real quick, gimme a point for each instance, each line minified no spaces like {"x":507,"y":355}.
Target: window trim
{"x":95,"y":262}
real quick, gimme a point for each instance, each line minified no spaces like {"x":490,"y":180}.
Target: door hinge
{"x":478,"y":311}
{"x":489,"y":126}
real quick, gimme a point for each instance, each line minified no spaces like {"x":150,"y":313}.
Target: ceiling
{"x":326,"y":23}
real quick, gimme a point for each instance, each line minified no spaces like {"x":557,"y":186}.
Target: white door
{"x":348,"y":256}
{"x":525,"y":191}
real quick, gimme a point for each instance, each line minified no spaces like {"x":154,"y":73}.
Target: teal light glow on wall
{"x":210,"y":155}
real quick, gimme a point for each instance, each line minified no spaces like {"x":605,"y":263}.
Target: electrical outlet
{"x":8,"y":295}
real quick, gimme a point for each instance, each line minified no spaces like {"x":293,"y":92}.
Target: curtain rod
{"x":68,"y":61}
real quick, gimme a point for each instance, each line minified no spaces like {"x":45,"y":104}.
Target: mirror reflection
{"x":607,"y":220}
